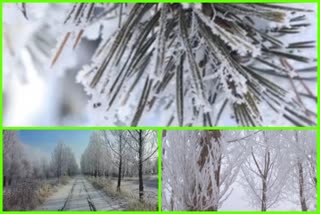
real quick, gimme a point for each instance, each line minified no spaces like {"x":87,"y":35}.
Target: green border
{"x":159,"y":129}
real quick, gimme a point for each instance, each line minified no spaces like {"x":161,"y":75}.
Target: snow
{"x":74,"y":197}
{"x":181,"y":174}
{"x":131,"y":186}
{"x":22,"y":109}
{"x":56,"y":201}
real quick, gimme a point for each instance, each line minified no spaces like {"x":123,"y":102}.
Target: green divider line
{"x":159,"y":170}
{"x":1,"y":179}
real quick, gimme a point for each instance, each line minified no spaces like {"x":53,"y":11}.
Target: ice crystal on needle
{"x":193,"y":64}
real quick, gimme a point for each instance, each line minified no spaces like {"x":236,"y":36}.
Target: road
{"x":80,"y":195}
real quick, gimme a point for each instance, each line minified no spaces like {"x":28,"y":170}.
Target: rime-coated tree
{"x":265,"y":171}
{"x":57,"y":159}
{"x":302,"y":180}
{"x":12,"y":157}
{"x":97,"y":158}
{"x":194,"y":64}
{"x":117,"y":142}
{"x":20,"y":162}
{"x":121,"y":153}
{"x":276,"y":167}
{"x":63,"y":161}
{"x":198,"y":169}
{"x":144,"y":144}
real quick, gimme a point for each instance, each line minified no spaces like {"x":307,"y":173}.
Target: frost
{"x":174,"y":64}
{"x":254,"y":170}
{"x":93,"y":31}
{"x":241,"y":45}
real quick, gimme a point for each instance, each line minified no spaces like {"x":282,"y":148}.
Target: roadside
{"x":28,"y":194}
{"x":130,"y":191}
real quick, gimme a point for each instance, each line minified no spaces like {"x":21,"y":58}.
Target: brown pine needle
{"x":78,"y":39}
{"x":56,"y":57}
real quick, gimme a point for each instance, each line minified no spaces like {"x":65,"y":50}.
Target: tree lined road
{"x":124,"y":161}
{"x":80,"y":195}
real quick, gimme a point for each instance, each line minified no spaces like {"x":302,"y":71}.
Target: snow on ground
{"x":131,"y":184}
{"x":79,"y":194}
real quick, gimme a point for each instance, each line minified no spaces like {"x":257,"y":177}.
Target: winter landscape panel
{"x":168,"y":64}
{"x":222,"y":170}
{"x":69,"y":170}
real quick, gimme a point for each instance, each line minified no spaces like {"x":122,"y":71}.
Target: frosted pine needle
{"x":195,"y":63}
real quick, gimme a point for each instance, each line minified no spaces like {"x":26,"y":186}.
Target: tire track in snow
{"x":69,"y":196}
{"x":80,"y":195}
{"x":91,"y":205}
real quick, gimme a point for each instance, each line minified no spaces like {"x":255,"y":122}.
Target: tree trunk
{"x":120,"y":165}
{"x":302,"y":198}
{"x":141,"y":193}
{"x":119,"y":174}
{"x":264,"y":195}
{"x":206,"y":147}
{"x":124,"y":168}
{"x":172,"y":201}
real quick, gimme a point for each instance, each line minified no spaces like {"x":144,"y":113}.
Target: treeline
{"x":20,"y":163}
{"x":121,"y":153}
{"x":29,"y":176}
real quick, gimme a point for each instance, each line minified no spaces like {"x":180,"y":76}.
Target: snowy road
{"x":79,"y":194}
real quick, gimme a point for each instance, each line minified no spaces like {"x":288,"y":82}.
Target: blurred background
{"x":35,"y":94}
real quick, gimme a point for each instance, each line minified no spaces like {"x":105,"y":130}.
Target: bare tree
{"x":301,"y":182}
{"x":144,"y":143}
{"x":198,"y":169}
{"x":117,"y":142}
{"x":301,"y":179}
{"x":265,"y":171}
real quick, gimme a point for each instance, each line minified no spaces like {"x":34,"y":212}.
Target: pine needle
{"x":60,"y":49}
